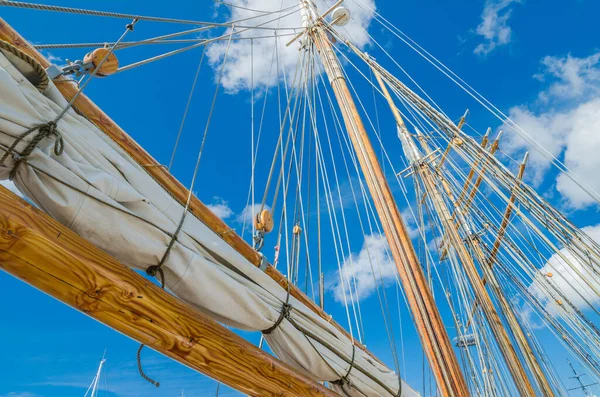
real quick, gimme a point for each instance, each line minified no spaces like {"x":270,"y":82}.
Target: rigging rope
{"x":227,"y":36}
{"x":81,"y":11}
{"x":187,"y":108}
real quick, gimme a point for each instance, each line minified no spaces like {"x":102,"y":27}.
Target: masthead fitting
{"x":341,"y":16}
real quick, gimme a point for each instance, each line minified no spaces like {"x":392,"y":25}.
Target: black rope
{"x":141,"y":371}
{"x":345,"y":380}
{"x":285,"y":313}
{"x":44,"y":130}
{"x":157,"y":272}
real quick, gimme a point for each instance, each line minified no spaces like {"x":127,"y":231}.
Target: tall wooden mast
{"x":434,"y":337}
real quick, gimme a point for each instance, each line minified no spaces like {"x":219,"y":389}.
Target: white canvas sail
{"x":98,"y":191}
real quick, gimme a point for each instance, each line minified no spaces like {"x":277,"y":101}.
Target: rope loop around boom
{"x":345,"y":380}
{"x":45,"y":130}
{"x":285,"y":313}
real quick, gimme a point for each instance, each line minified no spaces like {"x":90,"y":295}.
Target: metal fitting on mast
{"x":90,"y":63}
{"x":263,"y":223}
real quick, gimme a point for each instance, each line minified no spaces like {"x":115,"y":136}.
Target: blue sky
{"x":536,"y":60}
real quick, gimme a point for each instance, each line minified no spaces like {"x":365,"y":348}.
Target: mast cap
{"x":341,"y":16}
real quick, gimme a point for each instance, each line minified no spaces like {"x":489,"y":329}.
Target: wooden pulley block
{"x":297,"y":229}
{"x":458,"y":141}
{"x":264,"y":221}
{"x":549,"y":274}
{"x":110,"y":66}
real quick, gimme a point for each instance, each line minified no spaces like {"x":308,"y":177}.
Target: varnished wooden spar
{"x":93,"y":113}
{"x":55,"y":260}
{"x":426,"y":315}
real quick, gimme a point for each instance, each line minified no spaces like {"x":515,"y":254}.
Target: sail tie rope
{"x":44,"y":130}
{"x":155,"y":270}
{"x":286,"y":310}
{"x":345,"y":380}
{"x":285,"y":313}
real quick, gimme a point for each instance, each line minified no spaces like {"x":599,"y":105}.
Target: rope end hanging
{"x":141,"y":371}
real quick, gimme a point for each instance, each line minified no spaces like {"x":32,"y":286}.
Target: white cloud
{"x":220,"y":208}
{"x":19,"y":394}
{"x":11,"y":186}
{"x":575,"y":77}
{"x":581,"y":154}
{"x":237,"y":73}
{"x":410,"y":222}
{"x":565,"y":120}
{"x":494,"y":25}
{"x":249,"y":212}
{"x":54,"y":59}
{"x":364,"y":271}
{"x":574,"y":288}
{"x":549,"y":129}
{"x":528,"y":316}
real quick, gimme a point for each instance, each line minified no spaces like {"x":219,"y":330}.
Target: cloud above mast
{"x":362,"y":273}
{"x":267,"y":50}
{"x":565,"y":120}
{"x":566,"y":279}
{"x":494,"y":28}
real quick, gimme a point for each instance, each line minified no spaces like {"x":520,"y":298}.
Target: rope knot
{"x":152,"y":271}
{"x":47,"y":130}
{"x":44,"y":130}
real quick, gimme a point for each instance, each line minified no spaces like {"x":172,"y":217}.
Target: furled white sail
{"x":97,"y":190}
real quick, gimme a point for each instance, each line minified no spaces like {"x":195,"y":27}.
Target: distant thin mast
{"x":95,"y":382}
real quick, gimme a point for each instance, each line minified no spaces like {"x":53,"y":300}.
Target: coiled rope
{"x":37,"y":67}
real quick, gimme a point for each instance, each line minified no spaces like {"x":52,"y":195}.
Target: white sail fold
{"x":98,"y":191}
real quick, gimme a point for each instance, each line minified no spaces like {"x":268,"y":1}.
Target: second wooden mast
{"x":434,"y":337}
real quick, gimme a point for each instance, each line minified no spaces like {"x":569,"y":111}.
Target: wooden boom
{"x":47,"y":255}
{"x":94,"y":114}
